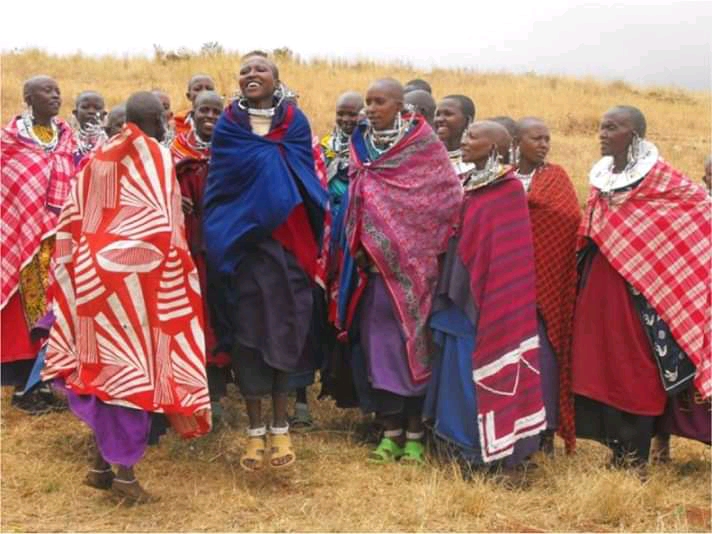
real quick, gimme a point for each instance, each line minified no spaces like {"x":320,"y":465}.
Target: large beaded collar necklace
{"x":26,"y":127}
{"x":640,"y":162}
{"x":477,"y":178}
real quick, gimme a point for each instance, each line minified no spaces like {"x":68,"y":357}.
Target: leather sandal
{"x":99,"y":478}
{"x":281,"y":452}
{"x":254,"y":455}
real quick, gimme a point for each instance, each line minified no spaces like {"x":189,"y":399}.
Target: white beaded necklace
{"x":526,"y":179}
{"x":603,"y":178}
{"x":89,"y":137}
{"x":198,"y":143}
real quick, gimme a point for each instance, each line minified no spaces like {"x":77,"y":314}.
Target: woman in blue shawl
{"x":264,"y":213}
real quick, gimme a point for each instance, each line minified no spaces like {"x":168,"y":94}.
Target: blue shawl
{"x":255,"y":182}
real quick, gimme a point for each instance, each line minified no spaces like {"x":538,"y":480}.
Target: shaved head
{"x":87,"y":94}
{"x":508,"y":122}
{"x":418,"y":84}
{"x":33,"y":83}
{"x":199,"y":77}
{"x":384,"y":103}
{"x":42,"y":95}
{"x":145,"y":110}
{"x":390,"y":87}
{"x":634,"y":116}
{"x":350,"y":99}
{"x":141,"y":105}
{"x":495,"y":132}
{"x":119,"y":109}
{"x":115,"y":120}
{"x":482,"y":140}
{"x":117,"y":112}
{"x":527,"y":122}
{"x":210,"y":97}
{"x":258,"y":54}
{"x":423,"y":103}
{"x":348,"y":109}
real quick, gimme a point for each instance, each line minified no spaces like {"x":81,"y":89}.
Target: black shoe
{"x":51,"y":399}
{"x":30,"y":403}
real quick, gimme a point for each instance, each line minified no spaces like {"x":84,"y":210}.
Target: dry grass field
{"x":332,"y":488}
{"x":678,"y":121}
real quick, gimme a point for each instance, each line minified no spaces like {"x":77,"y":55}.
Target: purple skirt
{"x":383,"y":343}
{"x":121,"y":433}
{"x":687,"y":415}
{"x":549,"y":369}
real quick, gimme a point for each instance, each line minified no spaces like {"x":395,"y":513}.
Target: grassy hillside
{"x":678,"y":121}
{"x":331,"y":488}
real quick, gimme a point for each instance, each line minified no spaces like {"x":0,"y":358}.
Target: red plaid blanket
{"x":32,"y":181}
{"x":657,"y":236}
{"x":556,"y":217}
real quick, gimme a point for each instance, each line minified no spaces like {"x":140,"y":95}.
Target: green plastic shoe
{"x":387,"y":452}
{"x":413,"y":453}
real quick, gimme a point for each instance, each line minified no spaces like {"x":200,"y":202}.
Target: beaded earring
{"x":29,"y":112}
{"x":516,"y":157}
{"x":279,"y":93}
{"x":634,"y":148}
{"x":493,"y":159}
{"x":510,"y":153}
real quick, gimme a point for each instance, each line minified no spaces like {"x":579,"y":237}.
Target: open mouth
{"x":253,"y":85}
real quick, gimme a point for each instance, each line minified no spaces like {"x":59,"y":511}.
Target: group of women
{"x":440,"y":277}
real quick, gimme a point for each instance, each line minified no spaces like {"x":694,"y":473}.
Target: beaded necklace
{"x":46,"y":137}
{"x":461,"y":168}
{"x":281,"y":93}
{"x":478,"y":178}
{"x":603,"y":177}
{"x":197,"y":143}
{"x":382,"y":140}
{"x":526,"y":179}
{"x":340,"y":142}
{"x":168,"y":137}
{"x":89,"y":137}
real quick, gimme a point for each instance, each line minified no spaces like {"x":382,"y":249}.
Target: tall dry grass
{"x":332,"y":488}
{"x":679,"y":121}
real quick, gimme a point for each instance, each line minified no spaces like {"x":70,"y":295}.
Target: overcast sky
{"x":644,"y":42}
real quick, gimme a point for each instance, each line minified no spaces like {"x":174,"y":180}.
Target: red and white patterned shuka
{"x":129,"y":324}
{"x":34,"y":182}
{"x":657,"y":236}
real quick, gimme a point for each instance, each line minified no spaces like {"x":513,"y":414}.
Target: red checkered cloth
{"x":657,"y":236}
{"x":556,"y":217}
{"x":35,"y":184}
